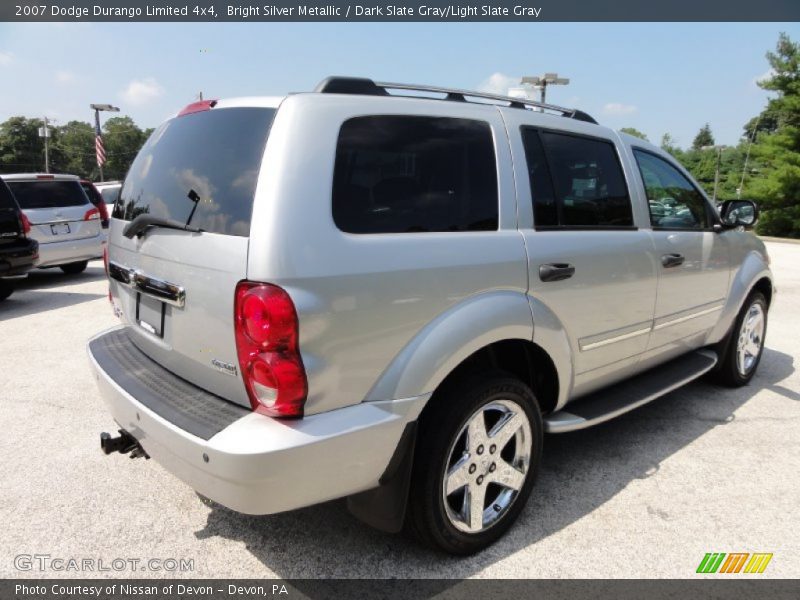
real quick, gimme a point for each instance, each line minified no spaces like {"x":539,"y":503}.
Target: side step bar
{"x":618,"y":399}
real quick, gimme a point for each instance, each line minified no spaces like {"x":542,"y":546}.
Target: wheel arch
{"x":753,"y":274}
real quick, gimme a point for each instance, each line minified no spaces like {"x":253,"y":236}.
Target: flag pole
{"x":97,"y":133}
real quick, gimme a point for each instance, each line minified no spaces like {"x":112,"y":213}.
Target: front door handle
{"x":556,"y":271}
{"x":672,"y":260}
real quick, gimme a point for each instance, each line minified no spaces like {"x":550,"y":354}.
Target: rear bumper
{"x":18,"y":258}
{"x":256,"y":464}
{"x":60,"y":253}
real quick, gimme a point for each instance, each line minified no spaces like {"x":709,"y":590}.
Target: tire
{"x":444,"y":521}
{"x":745,"y":344}
{"x":75,"y":268}
{"x":6,"y":288}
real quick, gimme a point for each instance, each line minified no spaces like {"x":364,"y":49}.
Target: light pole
{"x":99,"y":148}
{"x":542,"y":82}
{"x":719,"y":150}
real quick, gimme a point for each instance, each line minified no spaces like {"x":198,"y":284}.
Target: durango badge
{"x":224,"y":367}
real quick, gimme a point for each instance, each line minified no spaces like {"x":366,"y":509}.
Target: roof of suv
{"x":367,"y":88}
{"x":39,"y":176}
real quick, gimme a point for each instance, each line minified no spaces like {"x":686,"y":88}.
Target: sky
{"x":656,"y":77}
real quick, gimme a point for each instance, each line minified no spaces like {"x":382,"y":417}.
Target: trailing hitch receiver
{"x":123,"y":444}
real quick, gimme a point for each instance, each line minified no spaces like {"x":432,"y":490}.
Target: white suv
{"x":63,"y":220}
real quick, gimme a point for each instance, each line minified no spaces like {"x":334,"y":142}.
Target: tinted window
{"x":398,"y":174}
{"x":91,"y":193}
{"x":587,"y":182}
{"x":210,"y":160}
{"x":673,"y":201}
{"x":48,"y":194}
{"x":545,"y":208}
{"x":6,"y":199}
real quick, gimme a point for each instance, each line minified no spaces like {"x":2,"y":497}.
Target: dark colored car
{"x":18,"y":253}
{"x":96,"y":198}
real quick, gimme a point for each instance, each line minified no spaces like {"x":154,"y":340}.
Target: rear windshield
{"x":6,"y":199}
{"x":48,"y":194}
{"x":200,"y":169}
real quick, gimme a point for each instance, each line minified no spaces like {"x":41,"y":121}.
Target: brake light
{"x":45,"y":177}
{"x":266,"y":328}
{"x":198,"y":106}
{"x":105,"y":262}
{"x":26,"y":224}
{"x":91,"y":214}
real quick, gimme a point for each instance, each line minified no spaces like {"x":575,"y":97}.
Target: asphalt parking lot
{"x":702,"y":470}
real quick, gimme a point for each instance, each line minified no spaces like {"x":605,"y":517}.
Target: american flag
{"x":98,"y":146}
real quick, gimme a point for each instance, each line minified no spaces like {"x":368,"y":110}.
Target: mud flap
{"x":384,"y":507}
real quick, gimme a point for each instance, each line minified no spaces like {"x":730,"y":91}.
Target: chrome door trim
{"x":616,"y":338}
{"x":694,"y":315}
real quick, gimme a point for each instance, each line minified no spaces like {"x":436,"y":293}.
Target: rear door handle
{"x":556,"y":271}
{"x":672,"y":260}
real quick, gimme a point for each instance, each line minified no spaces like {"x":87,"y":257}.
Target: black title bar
{"x":719,"y":588}
{"x":460,"y":11}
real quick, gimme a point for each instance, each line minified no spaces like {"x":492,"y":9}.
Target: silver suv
{"x":62,"y":218}
{"x":390,"y":293}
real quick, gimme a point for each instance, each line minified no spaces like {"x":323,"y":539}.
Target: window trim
{"x":711,"y":213}
{"x":496,"y":164}
{"x":559,"y":205}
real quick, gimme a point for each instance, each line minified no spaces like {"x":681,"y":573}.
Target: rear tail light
{"x":91,"y":215}
{"x":105,"y":260}
{"x":266,"y":327}
{"x":25,"y":222}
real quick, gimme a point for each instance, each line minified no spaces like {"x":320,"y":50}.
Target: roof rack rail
{"x":367,"y":87}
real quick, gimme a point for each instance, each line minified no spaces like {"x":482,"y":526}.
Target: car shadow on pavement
{"x":36,"y":292}
{"x":43,"y":279}
{"x":580,"y":472}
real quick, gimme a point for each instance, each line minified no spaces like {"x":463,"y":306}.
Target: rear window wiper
{"x":143,"y":222}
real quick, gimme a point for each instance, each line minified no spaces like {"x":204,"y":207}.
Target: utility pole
{"x":543,"y":81}
{"x":747,"y":158}
{"x":719,"y":150}
{"x":44,"y":132}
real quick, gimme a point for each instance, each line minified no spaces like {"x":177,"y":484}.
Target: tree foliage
{"x":634,"y":132}
{"x":774,"y":177}
{"x":704,"y":137}
{"x":72,"y":147}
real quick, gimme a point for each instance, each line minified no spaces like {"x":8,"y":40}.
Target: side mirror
{"x":739,"y":213}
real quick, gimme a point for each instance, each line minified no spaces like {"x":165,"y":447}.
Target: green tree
{"x":634,"y":132}
{"x":704,"y":137}
{"x":76,"y":147}
{"x":775,"y":156}
{"x":122,"y":139}
{"x":21,"y":148}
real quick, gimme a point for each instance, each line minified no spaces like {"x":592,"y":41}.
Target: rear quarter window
{"x":48,"y":194}
{"x":200,"y":169}
{"x":397,"y":174}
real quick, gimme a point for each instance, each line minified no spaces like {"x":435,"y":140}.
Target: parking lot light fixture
{"x":543,"y":81}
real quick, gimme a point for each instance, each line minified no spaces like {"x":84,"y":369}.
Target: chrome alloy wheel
{"x":751,"y":339}
{"x":487,"y":466}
